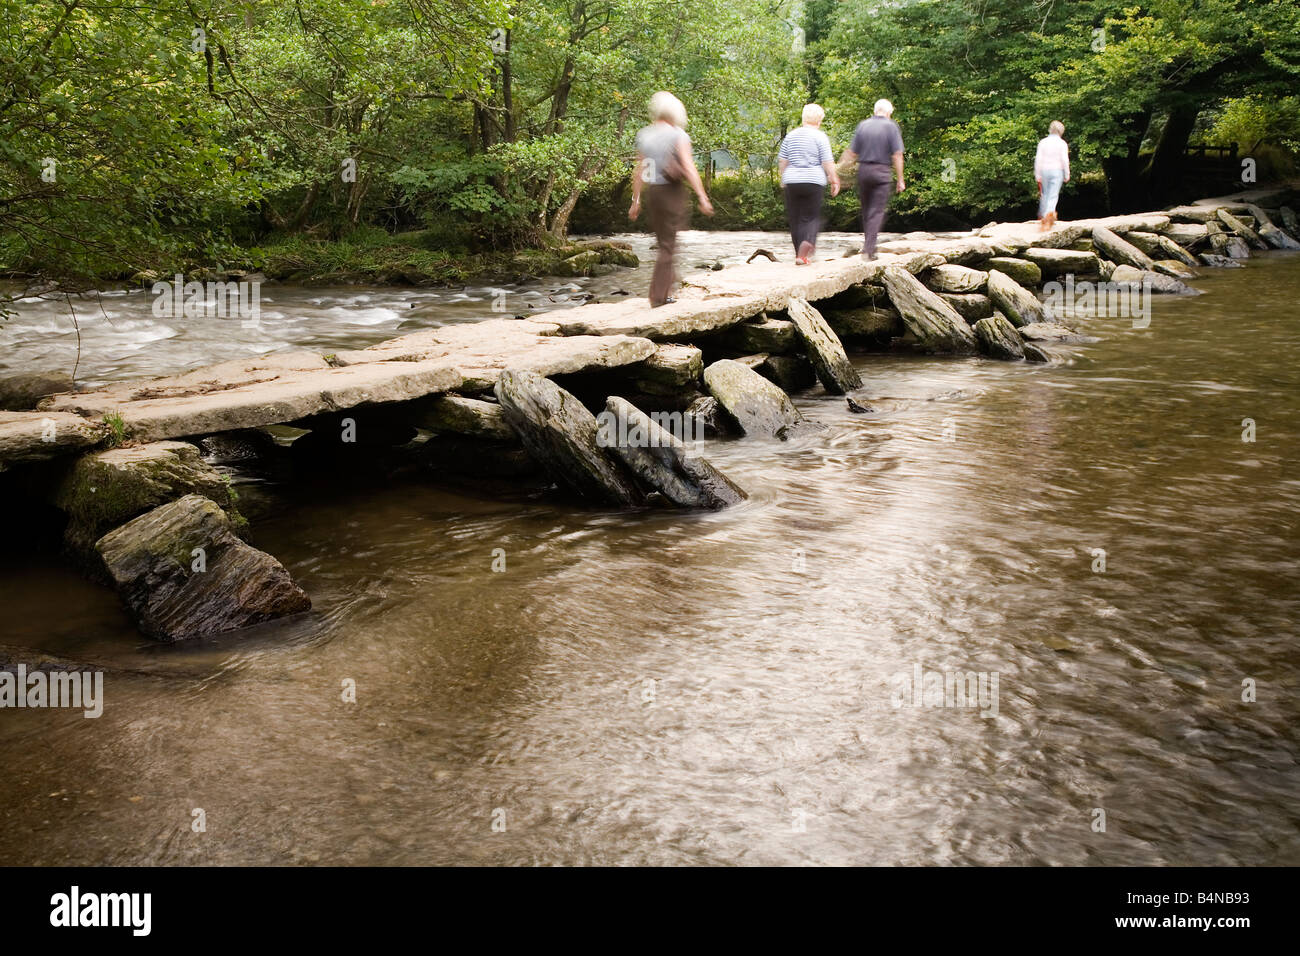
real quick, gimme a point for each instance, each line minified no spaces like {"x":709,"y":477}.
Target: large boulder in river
{"x":956,"y":279}
{"x":762,"y":334}
{"x":877,"y":323}
{"x":1160,"y":247}
{"x":1022,"y":270}
{"x":756,"y":405}
{"x":669,"y":370}
{"x":661,"y":460}
{"x":998,"y":338}
{"x":1276,"y":238}
{"x":1187,"y":234}
{"x":1018,"y":304}
{"x":823,"y":348}
{"x":104,"y":489}
{"x":1240,"y":228}
{"x":971,"y":306}
{"x":183,"y":573}
{"x":936,"y":325}
{"x":1059,"y":262}
{"x":559,"y":432}
{"x":1120,"y":251}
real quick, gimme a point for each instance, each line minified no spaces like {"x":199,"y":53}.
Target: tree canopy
{"x":137,"y":136}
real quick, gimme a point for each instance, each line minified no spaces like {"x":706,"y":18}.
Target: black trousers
{"x":803,"y":208}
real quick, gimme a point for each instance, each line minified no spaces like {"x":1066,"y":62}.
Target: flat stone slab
{"x":722,"y":299}
{"x":36,"y":436}
{"x":248,"y":394}
{"x":482,"y":350}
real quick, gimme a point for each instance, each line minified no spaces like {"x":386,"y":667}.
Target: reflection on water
{"x":700,"y":688}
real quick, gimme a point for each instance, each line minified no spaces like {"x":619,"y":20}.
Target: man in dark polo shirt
{"x":877,"y":145}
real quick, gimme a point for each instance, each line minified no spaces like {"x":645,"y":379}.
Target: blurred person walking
{"x":1051,"y":169}
{"x":665,"y":166}
{"x":806,"y":165}
{"x":877,"y":148}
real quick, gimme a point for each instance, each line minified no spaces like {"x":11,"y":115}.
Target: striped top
{"x":805,"y":148}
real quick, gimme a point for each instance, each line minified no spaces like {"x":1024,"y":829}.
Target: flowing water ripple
{"x":667,"y":688}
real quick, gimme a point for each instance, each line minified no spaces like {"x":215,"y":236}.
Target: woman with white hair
{"x":664,"y":162}
{"x":806,"y":165}
{"x":1051,"y":169}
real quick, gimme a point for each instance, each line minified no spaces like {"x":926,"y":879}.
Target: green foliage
{"x":116,"y":427}
{"x":290,"y":137}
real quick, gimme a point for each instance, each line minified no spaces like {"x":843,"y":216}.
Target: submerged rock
{"x":824,"y":349}
{"x":1018,"y":304}
{"x":936,"y":325}
{"x":662,"y":462}
{"x":183,"y":573}
{"x":559,"y":432}
{"x":1175,"y":268}
{"x":1155,"y":281}
{"x":865,"y":322}
{"x":1219,"y":262}
{"x":998,"y":338}
{"x":756,"y":405}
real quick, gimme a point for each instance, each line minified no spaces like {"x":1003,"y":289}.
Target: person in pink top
{"x":1051,"y":169}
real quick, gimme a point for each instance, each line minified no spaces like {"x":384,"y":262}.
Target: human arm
{"x":898,"y":171}
{"x":827,"y":158}
{"x":693,"y":174}
{"x":638,"y":177}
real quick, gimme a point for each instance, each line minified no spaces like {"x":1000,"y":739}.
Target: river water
{"x":663,"y":688}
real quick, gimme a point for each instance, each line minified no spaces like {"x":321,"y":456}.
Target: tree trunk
{"x":1162,"y":176}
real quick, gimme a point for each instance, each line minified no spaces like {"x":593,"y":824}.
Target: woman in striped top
{"x":807,"y":166}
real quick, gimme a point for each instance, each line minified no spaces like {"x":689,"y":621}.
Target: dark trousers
{"x":667,"y":207}
{"x":803,"y":209}
{"x":875,"y":180}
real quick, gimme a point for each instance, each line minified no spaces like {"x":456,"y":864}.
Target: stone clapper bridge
{"x":160,"y":524}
